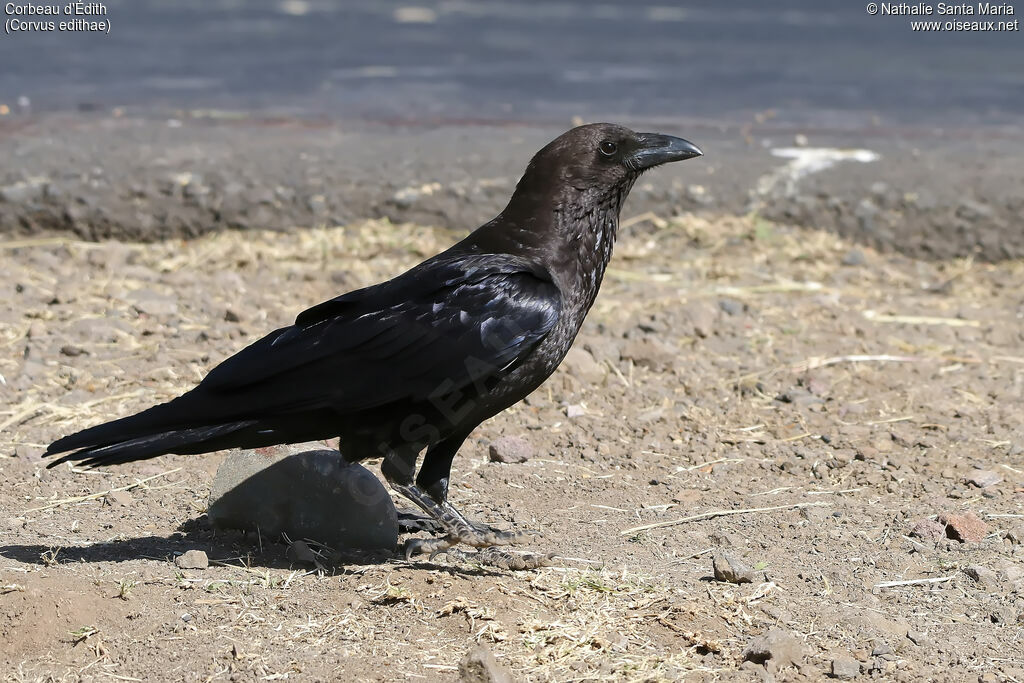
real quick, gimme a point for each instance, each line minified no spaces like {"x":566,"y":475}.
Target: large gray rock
{"x":313,"y":494}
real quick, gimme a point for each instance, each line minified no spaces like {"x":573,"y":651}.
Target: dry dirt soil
{"x":847,"y":424}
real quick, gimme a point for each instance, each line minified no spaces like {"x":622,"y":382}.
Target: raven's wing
{"x":440,"y":327}
{"x":446,"y":324}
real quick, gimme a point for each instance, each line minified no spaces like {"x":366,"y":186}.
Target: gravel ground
{"x":926,"y":193}
{"x":842,"y":422}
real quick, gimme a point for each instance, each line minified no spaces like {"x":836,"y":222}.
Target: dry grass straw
{"x":718,"y":513}
{"x":100,"y":494}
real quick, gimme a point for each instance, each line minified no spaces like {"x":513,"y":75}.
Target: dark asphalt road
{"x":823,"y":63}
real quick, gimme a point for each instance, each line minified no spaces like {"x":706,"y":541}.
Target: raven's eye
{"x":608,"y":148}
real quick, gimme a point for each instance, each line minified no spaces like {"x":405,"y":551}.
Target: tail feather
{"x":172,"y":427}
{"x":193,"y":423}
{"x":186,"y":440}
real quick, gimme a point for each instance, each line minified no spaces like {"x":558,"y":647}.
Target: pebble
{"x":299,"y":552}
{"x":575,"y":410}
{"x":774,"y":649}
{"x":118,"y":498}
{"x":1011,"y":573}
{"x":917,"y":637}
{"x":152,"y":303}
{"x":192,"y":559}
{"x":982,"y":575}
{"x":731,"y":570}
{"x":701,"y":317}
{"x":929,"y":530}
{"x":510,"y":450}
{"x":845,"y":668}
{"x":311,"y":494}
{"x":966,"y":528}
{"x":723,"y":539}
{"x":984,"y":478}
{"x":854,"y":257}
{"x":480,"y":666}
{"x":649,"y":353}
{"x":732,"y":306}
{"x":815,"y":515}
{"x":581,"y":364}
{"x":1015,"y":536}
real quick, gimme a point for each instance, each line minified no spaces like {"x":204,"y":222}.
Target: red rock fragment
{"x":966,"y":528}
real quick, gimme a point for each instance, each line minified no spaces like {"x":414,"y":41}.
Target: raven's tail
{"x":160,"y":430}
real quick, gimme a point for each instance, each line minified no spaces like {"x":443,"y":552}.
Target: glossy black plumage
{"x":419,"y":361}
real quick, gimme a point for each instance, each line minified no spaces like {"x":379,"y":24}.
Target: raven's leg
{"x":430,"y":493}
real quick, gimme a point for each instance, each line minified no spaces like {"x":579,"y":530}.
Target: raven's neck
{"x":571,"y":235}
{"x":584,"y":233}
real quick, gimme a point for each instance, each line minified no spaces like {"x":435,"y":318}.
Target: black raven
{"x":417,"y":362}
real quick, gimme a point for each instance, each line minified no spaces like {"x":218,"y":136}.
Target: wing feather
{"x":443,"y":323}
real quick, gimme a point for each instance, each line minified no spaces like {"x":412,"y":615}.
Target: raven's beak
{"x":656,"y":149}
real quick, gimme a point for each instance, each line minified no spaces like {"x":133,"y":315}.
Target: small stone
{"x":966,"y":528}
{"x":799,"y":396}
{"x":192,"y":559}
{"x":36,"y":329}
{"x":71,"y":351}
{"x":845,"y":668}
{"x":480,"y":666}
{"x":649,"y":353}
{"x":731,"y":570}
{"x":117,"y":499}
{"x":982,"y":575}
{"x":854,"y":257}
{"x":723,"y":539}
{"x":510,"y":450}
{"x":1015,"y":536}
{"x":311,"y":494}
{"x":984,"y":478}
{"x":406,"y":197}
{"x":148,"y":302}
{"x":701,"y":316}
{"x":929,"y":530}
{"x":186,"y":617}
{"x":1011,"y":573}
{"x":1003,"y":615}
{"x":732,"y":306}
{"x":581,"y":364}
{"x":575,"y":410}
{"x":815,"y":515}
{"x":917,"y":637}
{"x":773,"y":650}
{"x":880,"y":649}
{"x":231,"y":316}
{"x":299,"y":552}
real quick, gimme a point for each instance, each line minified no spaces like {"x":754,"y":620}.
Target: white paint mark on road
{"x":805,"y":161}
{"x":415,"y":15}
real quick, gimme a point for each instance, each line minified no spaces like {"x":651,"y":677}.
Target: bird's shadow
{"x":223,"y":547}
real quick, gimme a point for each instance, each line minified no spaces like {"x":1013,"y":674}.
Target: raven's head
{"x":602,"y":158}
{"x":566,"y":205}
